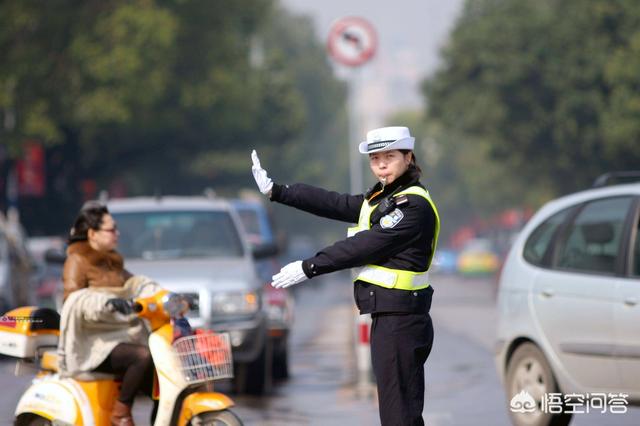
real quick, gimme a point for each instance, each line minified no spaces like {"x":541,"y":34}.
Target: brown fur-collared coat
{"x":86,"y":267}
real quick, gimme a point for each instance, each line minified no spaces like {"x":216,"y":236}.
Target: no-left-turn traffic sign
{"x":352,"y":41}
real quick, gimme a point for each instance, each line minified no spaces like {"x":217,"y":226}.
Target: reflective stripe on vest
{"x":395,"y":278}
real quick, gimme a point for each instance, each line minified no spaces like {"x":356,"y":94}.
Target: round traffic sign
{"x":352,"y":41}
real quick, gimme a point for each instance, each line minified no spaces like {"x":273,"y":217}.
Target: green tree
{"x":460,"y":174}
{"x":545,"y":89}
{"x":315,"y":154}
{"x":163,"y":94}
{"x":78,"y":66}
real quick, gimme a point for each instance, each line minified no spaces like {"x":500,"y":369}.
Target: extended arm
{"x":329,"y":204}
{"x":318,"y":201}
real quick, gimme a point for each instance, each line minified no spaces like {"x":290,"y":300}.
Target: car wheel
{"x":254,"y":378}
{"x":529,"y":378}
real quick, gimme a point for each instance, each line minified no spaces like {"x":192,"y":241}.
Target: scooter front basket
{"x":204,"y":356}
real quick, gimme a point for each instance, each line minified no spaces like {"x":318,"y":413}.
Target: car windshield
{"x":177,"y":234}
{"x":250,"y":220}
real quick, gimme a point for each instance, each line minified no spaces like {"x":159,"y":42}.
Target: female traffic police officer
{"x":394,"y":242}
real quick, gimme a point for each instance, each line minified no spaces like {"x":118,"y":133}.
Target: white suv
{"x":568,"y":305}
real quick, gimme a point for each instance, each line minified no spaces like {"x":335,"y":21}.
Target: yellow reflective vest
{"x":388,"y":277}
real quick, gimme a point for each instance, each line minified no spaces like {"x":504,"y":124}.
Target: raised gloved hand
{"x":260,"y":175}
{"x":289,"y":275}
{"x":119,"y":305}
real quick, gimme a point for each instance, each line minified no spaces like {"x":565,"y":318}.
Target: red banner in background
{"x":30,"y":169}
{"x":89,"y":189}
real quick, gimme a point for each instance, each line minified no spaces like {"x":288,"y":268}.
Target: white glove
{"x":289,"y":275}
{"x":260,"y":175}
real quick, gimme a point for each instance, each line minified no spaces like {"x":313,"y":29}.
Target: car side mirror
{"x":261,"y":251}
{"x":55,"y":256}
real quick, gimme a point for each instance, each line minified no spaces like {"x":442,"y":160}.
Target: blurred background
{"x":512,"y":102}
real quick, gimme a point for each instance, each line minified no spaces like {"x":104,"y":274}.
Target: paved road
{"x":462,"y":385}
{"x":464,"y":388}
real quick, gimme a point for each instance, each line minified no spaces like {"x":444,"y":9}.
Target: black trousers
{"x":400,"y":345}
{"x":134,"y":365}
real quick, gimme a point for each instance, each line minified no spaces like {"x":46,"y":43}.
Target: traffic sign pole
{"x":352,"y":42}
{"x":355,"y":158}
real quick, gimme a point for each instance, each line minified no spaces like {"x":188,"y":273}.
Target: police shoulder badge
{"x":392,"y":219}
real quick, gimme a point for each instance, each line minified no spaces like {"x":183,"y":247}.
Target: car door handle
{"x":547,"y":292}
{"x":631,"y":301}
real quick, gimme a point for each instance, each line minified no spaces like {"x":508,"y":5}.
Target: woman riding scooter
{"x":119,"y":345}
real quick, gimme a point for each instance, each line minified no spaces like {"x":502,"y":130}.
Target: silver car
{"x":196,"y":246}
{"x":16,"y":269}
{"x":569,"y":308}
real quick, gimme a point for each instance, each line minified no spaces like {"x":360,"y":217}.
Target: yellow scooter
{"x":186,"y":369}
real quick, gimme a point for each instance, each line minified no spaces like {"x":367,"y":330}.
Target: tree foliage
{"x":545,"y":91}
{"x":315,"y":153}
{"x":163,"y":94}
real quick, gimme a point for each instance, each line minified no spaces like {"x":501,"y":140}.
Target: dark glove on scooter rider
{"x":119,"y":305}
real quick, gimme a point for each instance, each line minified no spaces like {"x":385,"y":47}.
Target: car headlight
{"x":246,"y":302}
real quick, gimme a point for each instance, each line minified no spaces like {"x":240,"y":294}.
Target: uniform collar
{"x":409,"y":178}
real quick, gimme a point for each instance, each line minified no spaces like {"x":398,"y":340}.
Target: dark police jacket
{"x":406,"y":245}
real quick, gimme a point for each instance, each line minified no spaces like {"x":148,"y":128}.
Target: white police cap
{"x":387,"y":139}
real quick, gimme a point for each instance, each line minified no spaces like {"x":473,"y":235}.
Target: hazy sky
{"x":419,"y":25}
{"x":410,"y":35}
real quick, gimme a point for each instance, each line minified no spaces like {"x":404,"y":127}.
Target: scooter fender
{"x":53,"y":400}
{"x":200,"y":402}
